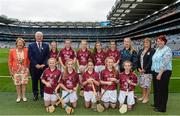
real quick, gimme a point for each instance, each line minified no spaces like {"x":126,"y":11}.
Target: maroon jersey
{"x":105,"y":75}
{"x":71,"y":80}
{"x":115,"y":54}
{"x":66,"y":54}
{"x":86,"y":76}
{"x":99,"y":58}
{"x":83,"y":56}
{"x":52,"y":77}
{"x":54,"y":54}
{"x":123,"y":81}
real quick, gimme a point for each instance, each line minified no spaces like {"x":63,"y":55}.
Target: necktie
{"x":39,"y":46}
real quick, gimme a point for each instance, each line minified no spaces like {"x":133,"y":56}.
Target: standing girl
{"x":99,"y":57}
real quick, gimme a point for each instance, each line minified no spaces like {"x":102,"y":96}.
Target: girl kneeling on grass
{"x":127,"y":81}
{"x":109,"y":83}
{"x":90,"y":81}
{"x":50,"y":79}
{"x":69,"y":84}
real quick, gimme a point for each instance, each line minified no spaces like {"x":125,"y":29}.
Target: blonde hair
{"x":52,"y":59}
{"x":132,"y":49}
{"x":149,"y":40}
{"x":127,"y":61}
{"x":20,"y":39}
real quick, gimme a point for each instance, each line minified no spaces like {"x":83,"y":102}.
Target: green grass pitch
{"x":10,"y":107}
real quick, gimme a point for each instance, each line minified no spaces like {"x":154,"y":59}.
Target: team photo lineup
{"x":89,"y":57}
{"x":97,"y":73}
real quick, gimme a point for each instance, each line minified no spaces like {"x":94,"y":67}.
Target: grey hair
{"x":39,"y":33}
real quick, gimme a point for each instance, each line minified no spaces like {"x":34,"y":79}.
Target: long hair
{"x":113,"y":67}
{"x":65,"y":73}
{"x":132,"y":49}
{"x":95,"y":49}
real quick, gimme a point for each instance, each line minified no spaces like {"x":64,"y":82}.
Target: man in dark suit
{"x":38,"y":53}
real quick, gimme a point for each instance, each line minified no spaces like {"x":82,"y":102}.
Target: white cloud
{"x":57,"y":10}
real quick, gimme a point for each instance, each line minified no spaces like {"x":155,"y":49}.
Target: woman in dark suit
{"x":144,"y":68}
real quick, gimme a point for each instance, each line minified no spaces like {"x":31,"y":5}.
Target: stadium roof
{"x":130,"y":11}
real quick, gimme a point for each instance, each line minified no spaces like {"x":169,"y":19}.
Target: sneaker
{"x":140,"y":99}
{"x":18,"y":99}
{"x":24,"y":99}
{"x":145,"y":101}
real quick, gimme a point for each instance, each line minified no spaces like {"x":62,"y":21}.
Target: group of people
{"x":93,"y":71}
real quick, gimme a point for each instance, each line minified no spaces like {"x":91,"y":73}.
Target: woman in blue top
{"x":128,"y":53}
{"x":162,"y":69}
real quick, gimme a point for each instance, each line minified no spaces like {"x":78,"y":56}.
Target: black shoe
{"x":158,"y":110}
{"x":35,"y":98}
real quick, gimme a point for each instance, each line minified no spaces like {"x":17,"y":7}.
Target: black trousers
{"x":35,"y":76}
{"x":160,"y":89}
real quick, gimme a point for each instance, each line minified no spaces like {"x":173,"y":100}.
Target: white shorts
{"x":109,"y":96}
{"x":72,"y":97}
{"x":89,"y":96}
{"x":99,"y":68}
{"x":130,"y":99}
{"x":50,"y":97}
{"x":81,"y":66}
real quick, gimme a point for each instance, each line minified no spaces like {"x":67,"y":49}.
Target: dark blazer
{"x":37,"y":57}
{"x":147,"y":60}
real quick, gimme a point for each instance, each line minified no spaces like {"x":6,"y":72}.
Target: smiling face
{"x":160,"y":43}
{"x":90,"y":66}
{"x":52,"y":63}
{"x":39,"y":37}
{"x":20,"y":43}
{"x":112,"y":45}
{"x":98,"y":46}
{"x":147,"y":43}
{"x":67,"y":44}
{"x":53,"y":45}
{"x":109,"y":63}
{"x":127,"y":42}
{"x":69,"y":64}
{"x":84,"y":44}
{"x":127,"y":66}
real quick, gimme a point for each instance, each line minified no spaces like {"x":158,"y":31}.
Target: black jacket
{"x":147,"y":60}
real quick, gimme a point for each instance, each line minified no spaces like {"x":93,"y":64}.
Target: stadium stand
{"x":129,"y":18}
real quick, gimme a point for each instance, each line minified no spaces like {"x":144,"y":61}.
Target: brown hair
{"x":95,"y":49}
{"x":113,"y":68}
{"x":162,"y":38}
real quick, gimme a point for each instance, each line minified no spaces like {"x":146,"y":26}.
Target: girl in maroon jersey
{"x":69,"y":83}
{"x":99,"y":57}
{"x":83,"y":54}
{"x":54,"y":50}
{"x":109,"y":83}
{"x":90,"y":79}
{"x":127,"y":80}
{"x":113,"y":52}
{"x":66,"y":53}
{"x":50,"y":79}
